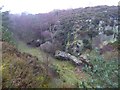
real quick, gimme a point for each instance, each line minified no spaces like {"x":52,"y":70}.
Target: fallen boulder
{"x":67,"y":56}
{"x":77,"y":61}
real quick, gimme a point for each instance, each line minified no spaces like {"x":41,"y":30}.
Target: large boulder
{"x":67,"y":56}
{"x":82,"y":60}
{"x":47,"y":47}
{"x":62,"y":55}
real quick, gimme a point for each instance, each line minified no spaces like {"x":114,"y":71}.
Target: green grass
{"x":33,"y":51}
{"x":66,"y":70}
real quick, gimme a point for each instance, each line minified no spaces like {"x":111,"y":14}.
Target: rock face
{"x":67,"y":56}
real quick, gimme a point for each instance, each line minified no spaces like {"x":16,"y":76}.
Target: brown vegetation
{"x":22,"y":70}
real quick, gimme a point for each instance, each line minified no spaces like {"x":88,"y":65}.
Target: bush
{"x":7,"y":36}
{"x":92,"y":33}
{"x":46,"y":35}
{"x":87,"y":44}
{"x":108,"y":32}
{"x":5,"y":28}
{"x":104,"y":73}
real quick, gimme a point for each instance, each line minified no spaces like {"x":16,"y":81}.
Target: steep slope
{"x":22,"y":70}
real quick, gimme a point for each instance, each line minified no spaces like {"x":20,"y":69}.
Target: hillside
{"x":26,"y":71}
{"x":22,"y":70}
{"x":72,"y":31}
{"x":74,"y":48}
{"x":65,"y":74}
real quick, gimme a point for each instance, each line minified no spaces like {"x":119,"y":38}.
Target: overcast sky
{"x":43,"y":6}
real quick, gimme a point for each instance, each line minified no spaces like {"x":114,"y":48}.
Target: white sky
{"x":43,"y":6}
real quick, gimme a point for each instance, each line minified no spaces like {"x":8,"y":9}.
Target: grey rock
{"x":47,"y":47}
{"x":67,"y":56}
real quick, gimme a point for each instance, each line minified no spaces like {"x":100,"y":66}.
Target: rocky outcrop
{"x":75,"y":60}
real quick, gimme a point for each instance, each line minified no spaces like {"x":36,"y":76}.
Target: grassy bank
{"x":69,"y":75}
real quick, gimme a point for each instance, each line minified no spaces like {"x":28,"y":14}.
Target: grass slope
{"x":69,"y":75}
